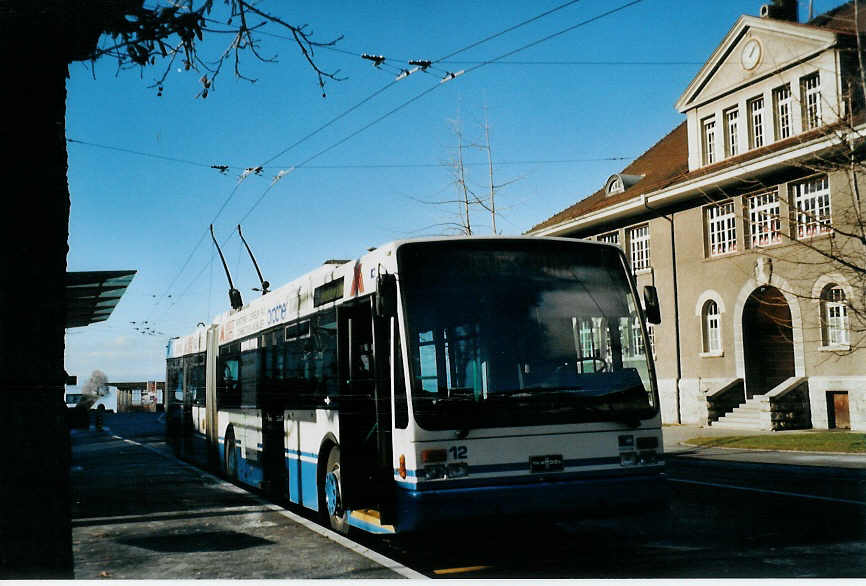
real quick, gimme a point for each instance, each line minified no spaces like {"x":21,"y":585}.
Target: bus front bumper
{"x":610,"y":495}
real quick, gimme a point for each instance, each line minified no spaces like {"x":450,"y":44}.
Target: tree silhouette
{"x":39,"y":40}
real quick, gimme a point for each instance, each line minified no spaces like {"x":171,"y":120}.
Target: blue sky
{"x":575,"y":109}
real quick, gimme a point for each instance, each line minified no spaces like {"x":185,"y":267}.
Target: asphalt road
{"x":727,"y":519}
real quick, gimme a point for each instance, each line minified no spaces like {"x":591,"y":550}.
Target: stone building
{"x":746,"y":219}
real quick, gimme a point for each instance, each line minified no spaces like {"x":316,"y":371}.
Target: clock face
{"x":751,"y":54}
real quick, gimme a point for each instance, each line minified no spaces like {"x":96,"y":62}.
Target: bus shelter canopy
{"x":91,"y":296}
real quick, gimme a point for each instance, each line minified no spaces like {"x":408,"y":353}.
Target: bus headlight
{"x":433,"y":472}
{"x":441,"y":471}
{"x":628,"y":459}
{"x":649,"y":457}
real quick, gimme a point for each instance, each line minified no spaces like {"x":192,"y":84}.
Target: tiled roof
{"x":662,"y":164}
{"x":841,"y":18}
{"x":666,"y":162}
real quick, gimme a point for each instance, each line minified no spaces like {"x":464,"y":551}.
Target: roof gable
{"x":752,"y":50}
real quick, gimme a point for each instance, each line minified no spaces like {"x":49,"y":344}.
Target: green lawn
{"x":818,"y":441}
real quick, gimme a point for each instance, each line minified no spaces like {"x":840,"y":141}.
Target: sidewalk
{"x":675,"y":435}
{"x":139,"y":514}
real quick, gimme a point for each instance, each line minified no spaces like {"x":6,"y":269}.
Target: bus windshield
{"x":521,"y":332}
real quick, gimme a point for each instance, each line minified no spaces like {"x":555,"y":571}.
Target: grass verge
{"x":818,"y":441}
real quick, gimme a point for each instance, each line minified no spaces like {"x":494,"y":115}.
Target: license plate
{"x":545,"y":463}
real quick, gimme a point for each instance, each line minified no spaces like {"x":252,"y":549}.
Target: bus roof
{"x":328,"y":284}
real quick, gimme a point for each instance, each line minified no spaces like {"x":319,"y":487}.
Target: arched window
{"x":834,"y":316}
{"x":711,"y":325}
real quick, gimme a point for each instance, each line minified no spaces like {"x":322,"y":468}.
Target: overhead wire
{"x":342,"y":115}
{"x":355,"y":165}
{"x":411,"y":100}
{"x":435,"y":87}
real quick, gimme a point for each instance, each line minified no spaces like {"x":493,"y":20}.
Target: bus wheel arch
{"x":329,"y":485}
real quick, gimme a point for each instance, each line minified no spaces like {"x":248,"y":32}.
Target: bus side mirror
{"x":386,"y":295}
{"x":651,"y":305}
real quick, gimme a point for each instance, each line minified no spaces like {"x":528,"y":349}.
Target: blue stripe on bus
{"x":469,"y":482}
{"x":302,"y":483}
{"x":304,"y":454}
{"x":524,"y":466}
{"x":519,"y":466}
{"x":301,"y":474}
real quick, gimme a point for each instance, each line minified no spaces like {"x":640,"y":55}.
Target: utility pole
{"x":490,"y":166}
{"x":461,"y":179}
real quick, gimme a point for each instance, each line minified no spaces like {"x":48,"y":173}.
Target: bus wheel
{"x":231,"y":456}
{"x":331,"y":493}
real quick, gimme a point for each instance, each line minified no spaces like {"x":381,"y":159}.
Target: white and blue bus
{"x":430,"y":381}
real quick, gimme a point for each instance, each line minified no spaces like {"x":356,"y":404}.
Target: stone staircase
{"x":753,"y":414}
{"x":786,"y":406}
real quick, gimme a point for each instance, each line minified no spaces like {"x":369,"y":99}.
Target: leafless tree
{"x":39,"y":40}
{"x":469,"y":198}
{"x":140,"y":37}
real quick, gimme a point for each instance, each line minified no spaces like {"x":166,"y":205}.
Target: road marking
{"x":368,"y":553}
{"x":768,"y":491}
{"x":460,"y":570}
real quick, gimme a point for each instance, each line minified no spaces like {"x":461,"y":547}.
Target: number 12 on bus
{"x":430,"y":381}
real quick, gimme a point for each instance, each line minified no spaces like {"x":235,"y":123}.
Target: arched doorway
{"x":768,"y":340}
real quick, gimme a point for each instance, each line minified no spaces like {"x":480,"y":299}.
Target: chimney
{"x":780,"y":10}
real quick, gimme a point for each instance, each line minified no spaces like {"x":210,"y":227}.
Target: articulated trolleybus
{"x":431,"y":381}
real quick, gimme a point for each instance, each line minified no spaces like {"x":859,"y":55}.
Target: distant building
{"x":739,"y":216}
{"x":140,"y":396}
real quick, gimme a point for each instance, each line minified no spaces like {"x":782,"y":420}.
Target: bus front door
{"x":360,"y":434}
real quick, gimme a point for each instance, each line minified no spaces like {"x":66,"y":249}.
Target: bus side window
{"x":229,"y":384}
{"x":325,"y":354}
{"x":249,"y":378}
{"x":175,"y":379}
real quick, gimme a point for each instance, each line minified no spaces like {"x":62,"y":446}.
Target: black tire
{"x":330,"y":490}
{"x":231,"y":458}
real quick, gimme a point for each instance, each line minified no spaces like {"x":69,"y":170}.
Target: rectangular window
{"x":732,"y":134}
{"x":298,"y":330}
{"x":639,"y":246}
{"x":782,"y":106}
{"x":249,"y":376}
{"x":709,"y":137}
{"x":722,"y":228}
{"x":764,"y":221}
{"x":756,"y":122}
{"x":810,"y":88}
{"x":836,"y":317}
{"x":812,"y":200}
{"x":328,"y":292}
{"x":610,"y":238}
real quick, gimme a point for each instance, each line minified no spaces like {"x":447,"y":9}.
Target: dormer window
{"x":617,"y":183}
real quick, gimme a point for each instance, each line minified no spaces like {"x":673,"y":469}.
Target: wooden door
{"x":837,"y":403}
